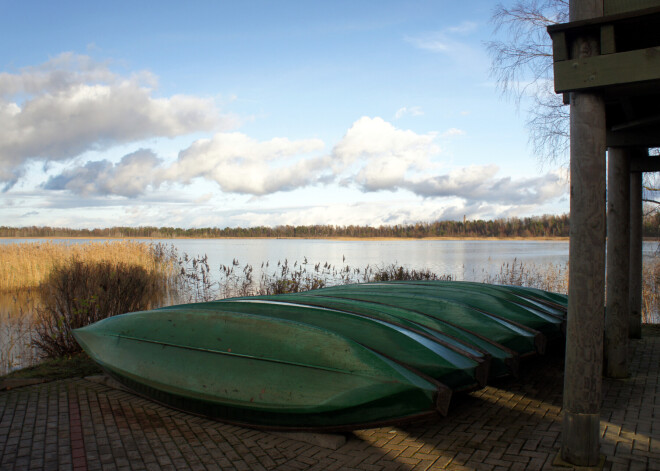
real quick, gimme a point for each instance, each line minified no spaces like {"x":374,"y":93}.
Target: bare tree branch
{"x":651,"y":191}
{"x":522,"y":66}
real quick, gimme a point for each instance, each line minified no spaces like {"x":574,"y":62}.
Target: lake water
{"x":463,"y":259}
{"x":473,"y":260}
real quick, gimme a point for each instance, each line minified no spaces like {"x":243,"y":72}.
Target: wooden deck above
{"x":625,"y":71}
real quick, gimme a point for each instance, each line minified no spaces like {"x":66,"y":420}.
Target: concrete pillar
{"x":584,"y":333}
{"x":617,"y":317}
{"x":635,"y":326}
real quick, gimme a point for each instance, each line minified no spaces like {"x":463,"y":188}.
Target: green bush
{"x":79,"y":293}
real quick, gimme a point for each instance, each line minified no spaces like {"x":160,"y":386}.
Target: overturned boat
{"x":336,"y":358}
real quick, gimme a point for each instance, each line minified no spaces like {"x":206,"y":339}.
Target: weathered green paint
{"x":495,"y":307}
{"x":502,"y":363}
{"x":334,"y":358}
{"x":502,"y":332}
{"x":256,"y":369}
{"x":453,"y":367}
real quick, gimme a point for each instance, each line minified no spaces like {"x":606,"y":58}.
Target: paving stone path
{"x":511,"y":425}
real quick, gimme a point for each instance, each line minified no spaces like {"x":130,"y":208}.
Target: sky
{"x":225,"y":114}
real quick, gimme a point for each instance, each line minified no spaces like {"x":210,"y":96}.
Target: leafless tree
{"x":522,"y":67}
{"x":651,"y":192}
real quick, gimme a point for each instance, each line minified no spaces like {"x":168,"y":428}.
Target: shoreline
{"x":347,"y":239}
{"x":366,"y":239}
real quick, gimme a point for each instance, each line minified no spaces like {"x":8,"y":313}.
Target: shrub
{"x":295,"y":279}
{"x":79,"y":293}
{"x":394,"y":273}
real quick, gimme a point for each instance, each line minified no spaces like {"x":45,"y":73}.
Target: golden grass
{"x":651,"y":291}
{"x":548,"y":277}
{"x":26,"y":265}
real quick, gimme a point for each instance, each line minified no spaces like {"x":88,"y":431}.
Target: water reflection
{"x":17,"y":311}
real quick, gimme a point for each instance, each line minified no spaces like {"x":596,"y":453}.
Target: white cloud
{"x":383,"y":154}
{"x":239,"y":164}
{"x":452,"y":132}
{"x":408,"y":111}
{"x":434,"y":42}
{"x":479,"y":184}
{"x":465,"y":27}
{"x":72,"y":104}
{"x":372,"y":156}
{"x":451,"y":41}
{"x":130,"y":177}
{"x":388,"y":212}
{"x":235,"y":162}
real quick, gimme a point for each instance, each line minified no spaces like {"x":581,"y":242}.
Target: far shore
{"x":367,"y":239}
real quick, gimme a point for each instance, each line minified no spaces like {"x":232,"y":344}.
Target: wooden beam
{"x":644,"y":163}
{"x":594,"y":72}
{"x":618,"y":263}
{"x":580,"y":27}
{"x":580,"y":440}
{"x":607,"y":40}
{"x":619,"y":6}
{"x":634,"y":138}
{"x":637,"y":123}
{"x":559,"y":47}
{"x":635,"y":291}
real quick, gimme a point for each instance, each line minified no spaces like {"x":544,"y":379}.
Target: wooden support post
{"x":635,"y":326}
{"x":618,"y":266}
{"x":584,"y":334}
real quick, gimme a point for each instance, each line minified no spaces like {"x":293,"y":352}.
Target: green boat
{"x":457,"y":366}
{"x":257,"y":370}
{"x":336,"y":358}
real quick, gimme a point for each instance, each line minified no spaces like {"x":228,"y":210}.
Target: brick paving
{"x":513,"y":424}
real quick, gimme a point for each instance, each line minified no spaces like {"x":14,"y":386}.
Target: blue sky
{"x":259,"y":112}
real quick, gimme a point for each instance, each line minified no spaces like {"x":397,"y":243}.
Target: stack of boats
{"x":343,"y":357}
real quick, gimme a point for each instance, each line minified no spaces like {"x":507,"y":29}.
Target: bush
{"x":80,"y":293}
{"x":394,"y":273}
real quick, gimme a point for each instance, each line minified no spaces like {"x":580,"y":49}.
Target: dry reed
{"x":651,"y":291}
{"x":28,"y":264}
{"x":548,"y":277}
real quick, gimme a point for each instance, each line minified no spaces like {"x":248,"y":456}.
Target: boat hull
{"x":337,"y":358}
{"x":256,"y":370}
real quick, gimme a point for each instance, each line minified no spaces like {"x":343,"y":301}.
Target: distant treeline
{"x":542,"y":226}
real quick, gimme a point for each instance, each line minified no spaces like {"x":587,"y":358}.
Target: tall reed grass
{"x":27,"y":265}
{"x":48,"y":289}
{"x":651,"y":291}
{"x":196,"y":283}
{"x":550,"y":277}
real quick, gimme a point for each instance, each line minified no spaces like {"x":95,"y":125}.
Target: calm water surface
{"x":463,"y":259}
{"x":459,"y":258}
{"x":472,"y":260}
